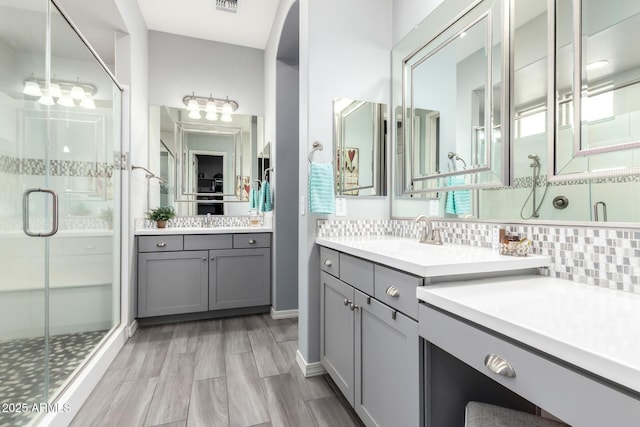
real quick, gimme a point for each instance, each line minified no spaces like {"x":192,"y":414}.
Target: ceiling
{"x":249,"y":26}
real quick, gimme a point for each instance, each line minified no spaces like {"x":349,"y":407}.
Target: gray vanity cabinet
{"x":172,"y":282}
{"x":337,"y":333}
{"x":239,"y":278}
{"x":387,"y":363}
{"x":370,"y":350}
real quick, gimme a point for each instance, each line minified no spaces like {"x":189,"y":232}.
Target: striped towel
{"x":459,"y":201}
{"x":264,"y":204}
{"x":253,"y":199}
{"x":321,"y":188}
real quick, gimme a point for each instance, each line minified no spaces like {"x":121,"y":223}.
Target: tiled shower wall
{"x":607,"y":257}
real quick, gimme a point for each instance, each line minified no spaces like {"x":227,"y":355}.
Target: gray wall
{"x":181,"y":65}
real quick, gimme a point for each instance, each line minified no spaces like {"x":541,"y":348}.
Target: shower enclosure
{"x":60,"y":187}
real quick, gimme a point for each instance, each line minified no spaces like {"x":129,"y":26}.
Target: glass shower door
{"x":59,"y":207}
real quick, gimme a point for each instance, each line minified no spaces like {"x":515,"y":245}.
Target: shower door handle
{"x":25,"y":212}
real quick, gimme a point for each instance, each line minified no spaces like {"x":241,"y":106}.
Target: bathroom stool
{"x":484,"y":415}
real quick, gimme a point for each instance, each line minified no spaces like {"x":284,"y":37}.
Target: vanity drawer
{"x":159,"y":243}
{"x":577,"y":399}
{"x":397,"y":289}
{"x":357,"y":272}
{"x":330,"y":261}
{"x":199,"y":242}
{"x":251,"y":240}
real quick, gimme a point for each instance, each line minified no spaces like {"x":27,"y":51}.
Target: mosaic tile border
{"x":14,"y":166}
{"x":606,"y":257}
{"x":527,"y":182}
{"x":197,"y":221}
{"x":65,"y":223}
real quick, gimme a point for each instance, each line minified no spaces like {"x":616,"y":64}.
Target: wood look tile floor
{"x":235,"y":372}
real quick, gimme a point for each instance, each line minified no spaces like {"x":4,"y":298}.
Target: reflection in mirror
{"x":359,"y":138}
{"x":594,"y":65}
{"x":207,"y":165}
{"x":445,"y":75}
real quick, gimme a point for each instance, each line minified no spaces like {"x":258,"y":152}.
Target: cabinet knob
{"x":353,"y":307}
{"x":327,"y":263}
{"x":497,"y":364}
{"x":347,"y":302}
{"x":252,"y":242}
{"x":392,"y":291}
{"x":213,"y":258}
{"x":204,"y":258}
{"x":161,"y":244}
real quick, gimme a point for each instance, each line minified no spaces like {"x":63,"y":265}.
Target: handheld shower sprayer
{"x":536,"y":160}
{"x":535,"y":178}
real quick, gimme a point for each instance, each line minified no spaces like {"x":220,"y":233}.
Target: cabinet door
{"x":239,"y":278}
{"x":337,"y":332}
{"x":172,"y":283}
{"x":387,"y":381}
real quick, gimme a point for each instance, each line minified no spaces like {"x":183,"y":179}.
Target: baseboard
{"x":69,"y":403}
{"x":283,"y":314}
{"x":132,"y":328}
{"x":309,"y":369}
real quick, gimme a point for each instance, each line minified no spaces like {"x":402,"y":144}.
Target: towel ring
{"x":317,"y":146}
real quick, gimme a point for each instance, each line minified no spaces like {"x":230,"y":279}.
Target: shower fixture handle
{"x":25,"y":212}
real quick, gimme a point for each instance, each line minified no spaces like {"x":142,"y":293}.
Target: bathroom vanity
{"x":370,"y":316}
{"x":211,"y":271}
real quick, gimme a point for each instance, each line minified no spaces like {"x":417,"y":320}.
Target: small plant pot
{"x":162,"y":224}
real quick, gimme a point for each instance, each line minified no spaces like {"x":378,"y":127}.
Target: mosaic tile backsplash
{"x":607,"y":257}
{"x":197,"y":221}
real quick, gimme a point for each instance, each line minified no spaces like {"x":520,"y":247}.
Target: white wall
{"x":180,"y":65}
{"x":409,"y":13}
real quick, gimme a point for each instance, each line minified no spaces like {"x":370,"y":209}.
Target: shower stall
{"x":60,"y":204}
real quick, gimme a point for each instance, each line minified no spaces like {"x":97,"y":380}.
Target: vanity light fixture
{"x":210,"y":106}
{"x":61,"y":92}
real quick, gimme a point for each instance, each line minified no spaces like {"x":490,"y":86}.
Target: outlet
{"x":341,"y":206}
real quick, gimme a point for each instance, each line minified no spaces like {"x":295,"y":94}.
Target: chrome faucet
{"x":430,"y":234}
{"x":208,"y":221}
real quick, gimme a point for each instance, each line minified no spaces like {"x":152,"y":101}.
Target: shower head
{"x":536,"y":160}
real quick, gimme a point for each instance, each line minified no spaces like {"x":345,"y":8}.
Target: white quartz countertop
{"x":429,"y":260}
{"x":587,"y":326}
{"x":200,"y":230}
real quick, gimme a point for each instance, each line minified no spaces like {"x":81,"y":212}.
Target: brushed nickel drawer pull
{"x":161,"y":244}
{"x":499,"y":365}
{"x":252,"y":241}
{"x":394,"y":314}
{"x":392,"y":291}
{"x":327,"y":263}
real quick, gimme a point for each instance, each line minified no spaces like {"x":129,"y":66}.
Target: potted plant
{"x":161,"y":215}
{"x":107,"y":216}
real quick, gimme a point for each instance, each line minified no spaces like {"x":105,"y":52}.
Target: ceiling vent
{"x":227,"y":5}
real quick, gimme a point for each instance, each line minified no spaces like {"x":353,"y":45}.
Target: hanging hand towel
{"x":458,"y":201}
{"x":321,"y":188}
{"x":265,"y":197}
{"x":253,"y":199}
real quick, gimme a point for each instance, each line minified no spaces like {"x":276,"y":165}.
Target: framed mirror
{"x":359,"y":141}
{"x":454,"y":93}
{"x":596,"y":89}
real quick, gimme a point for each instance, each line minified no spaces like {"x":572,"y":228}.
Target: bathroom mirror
{"x":208,"y":164}
{"x":359,"y":141}
{"x":449,"y":76}
{"x":594,"y":65}
{"x":590,"y":194}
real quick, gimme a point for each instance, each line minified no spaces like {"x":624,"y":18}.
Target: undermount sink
{"x":430,"y":260}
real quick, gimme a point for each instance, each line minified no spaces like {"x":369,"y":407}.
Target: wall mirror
{"x":205,"y":165}
{"x":585,"y":187}
{"x":450,"y":82}
{"x":595,"y":67}
{"x":359,"y":141}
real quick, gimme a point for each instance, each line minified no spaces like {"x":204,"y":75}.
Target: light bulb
{"x":66,"y":101}
{"x":88,"y":103}
{"x":211,"y":106}
{"x":195,"y":114}
{"x":54,"y":90}
{"x":211,"y":116}
{"x":77,"y":92}
{"x":46,"y":100}
{"x":226,"y":107}
{"x":31,"y":88}
{"x":192,"y":105}
{"x":226,"y":118}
